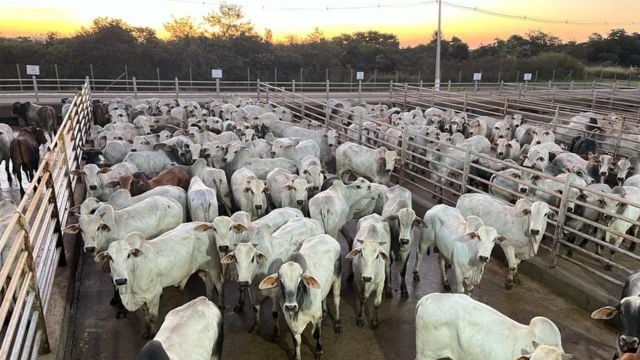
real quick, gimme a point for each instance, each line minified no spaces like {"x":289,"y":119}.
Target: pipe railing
{"x":33,"y":242}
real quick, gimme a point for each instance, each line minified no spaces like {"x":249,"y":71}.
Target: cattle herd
{"x":243,"y":191}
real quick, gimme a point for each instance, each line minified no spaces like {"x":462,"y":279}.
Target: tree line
{"x":228,"y":41}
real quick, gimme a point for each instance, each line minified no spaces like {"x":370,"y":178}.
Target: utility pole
{"x":438,"y":37}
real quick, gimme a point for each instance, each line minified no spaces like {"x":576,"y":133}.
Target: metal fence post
{"x":93,"y":79}
{"x":449,"y":85}
{"x":506,"y":106}
{"x":177,"y":88}
{"x":55,"y":67}
{"x":615,"y":150}
{"x":562,"y":210}
{"x":406,"y":89}
{"x":327,"y":86}
{"x":390,"y":90}
{"x":403,"y":155}
{"x":126,"y":76}
{"x":593,"y":101}
{"x":293,"y":86}
{"x":35,"y":88}
{"x":19,"y":76}
{"x":158,"y":75}
{"x":248,"y":80}
{"x":135,"y":87}
{"x":465,"y":170}
{"x":258,"y":89}
{"x":217,"y":86}
{"x":359,"y":90}
{"x":464,"y":108}
{"x":554,"y":122}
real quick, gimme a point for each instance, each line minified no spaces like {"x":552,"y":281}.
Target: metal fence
{"x":467,"y":171}
{"x":32,"y":241}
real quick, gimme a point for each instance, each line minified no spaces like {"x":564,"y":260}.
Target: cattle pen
{"x":36,"y":249}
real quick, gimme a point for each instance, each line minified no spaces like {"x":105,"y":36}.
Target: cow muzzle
{"x":93,"y":187}
{"x":243,"y":284}
{"x":534,"y":232}
{"x":523,"y":190}
{"x":90,"y":249}
{"x":120,"y":282}
{"x":223,"y":248}
{"x":603,"y":173}
{"x":405,"y":241}
{"x":367,"y":278}
{"x":258,"y":207}
{"x":299,"y":202}
{"x":483,"y":259}
{"x":290,"y":307}
{"x":628,"y":343}
{"x":620,"y":180}
{"x":500,"y":153}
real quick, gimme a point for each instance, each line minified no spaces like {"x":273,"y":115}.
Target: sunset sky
{"x":413,"y":20}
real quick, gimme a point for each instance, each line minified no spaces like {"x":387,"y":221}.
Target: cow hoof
{"x":404,"y":294}
{"x":508,"y":285}
{"x":238,"y":308}
{"x":374,"y":325}
{"x":318,"y":354}
{"x":608,"y":267}
{"x":337,"y":327}
{"x":416,"y":276}
{"x":446,"y":287}
{"x":359,"y":322}
{"x":516,"y":280}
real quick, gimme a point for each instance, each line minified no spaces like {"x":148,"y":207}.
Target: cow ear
{"x":104,"y":170}
{"x":418,"y":221}
{"x":266,"y":190}
{"x":72,"y":229}
{"x":77,"y":172}
{"x":501,"y":238}
{"x":385,"y":256}
{"x":288,"y":186}
{"x":567,"y":356}
{"x":509,"y":145}
{"x":262,"y":257}
{"x":551,"y":215}
{"x":239,"y":227}
{"x":525,"y":211}
{"x":269,"y":282}
{"x":230,"y":258}
{"x":112,"y":184}
{"x":305,"y":172}
{"x":605,"y":313}
{"x":103,"y":261}
{"x":310,"y":281}
{"x":380,"y":160}
{"x":136,"y":252}
{"x":391,"y":217}
{"x":472,"y":235}
{"x":494,"y":145}
{"x":75,"y":209}
{"x":246,"y":189}
{"x":104,"y":227}
{"x":353,"y":253}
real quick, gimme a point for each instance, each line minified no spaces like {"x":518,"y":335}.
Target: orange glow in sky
{"x":414,"y":21}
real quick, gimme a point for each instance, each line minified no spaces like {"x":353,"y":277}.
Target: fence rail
{"x":468,"y":171}
{"x":32,"y":244}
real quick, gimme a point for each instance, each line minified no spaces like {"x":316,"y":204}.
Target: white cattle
{"x":203,"y":202}
{"x":287,"y":189}
{"x":398,"y":211}
{"x":501,"y":130}
{"x":306,"y":280}
{"x":141,"y":268}
{"x":230,"y":230}
{"x":95,"y":178}
{"x":325,"y":139}
{"x":249,"y":192}
{"x":238,"y":156}
{"x":122,"y":198}
{"x":194,"y":328}
{"x":298,"y":151}
{"x":268,"y":249}
{"x":542,"y":135}
{"x":311,"y":169}
{"x":630,"y":195}
{"x":332,"y":207}
{"x":550,"y":190}
{"x":151,"y":217}
{"x":373,"y":164}
{"x":213,"y":178}
{"x":572,"y":163}
{"x":505,"y":180}
{"x":523,"y":226}
{"x":506,"y":149}
{"x":455,"y":326}
{"x":153,"y":162}
{"x":370,"y":264}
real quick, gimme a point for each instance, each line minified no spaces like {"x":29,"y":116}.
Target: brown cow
{"x":35,"y":115}
{"x":172,"y":176}
{"x":25,"y":153}
{"x":99,"y":111}
{"x":630,"y":356}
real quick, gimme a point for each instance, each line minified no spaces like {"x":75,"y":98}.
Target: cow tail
{"x":20,"y":160}
{"x":54,"y":119}
{"x":324,"y":218}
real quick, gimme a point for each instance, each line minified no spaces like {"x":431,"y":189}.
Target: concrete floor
{"x":96,"y":334}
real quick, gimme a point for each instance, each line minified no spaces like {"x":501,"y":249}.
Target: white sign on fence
{"x":33,"y":69}
{"x":477,"y":76}
{"x":527,"y":76}
{"x":360,"y":75}
{"x":216,"y":73}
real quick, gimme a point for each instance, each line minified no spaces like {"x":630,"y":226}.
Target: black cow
{"x":627,"y":316}
{"x":25,"y":154}
{"x":43,"y":117}
{"x":583,"y":146}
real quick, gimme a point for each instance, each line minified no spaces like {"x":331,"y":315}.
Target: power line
{"x":353,"y":7}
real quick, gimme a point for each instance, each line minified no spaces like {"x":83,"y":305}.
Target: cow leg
{"x":276,"y":326}
{"x":150,"y":314}
{"x":116,"y":301}
{"x":360,"y":310}
{"x":316,"y":335}
{"x":335,"y":289}
{"x":443,"y":273}
{"x":509,"y":253}
{"x":404,"y":292}
{"x":376,"y":306}
{"x":297,"y":341}
{"x":240,"y":305}
{"x":387,"y":281}
{"x":256,"y":317}
{"x":6,"y":169}
{"x":423,"y":246}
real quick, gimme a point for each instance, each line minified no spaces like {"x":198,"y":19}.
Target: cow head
{"x":623,"y":166}
{"x":123,"y":255}
{"x":542,"y":135}
{"x":406,"y":218}
{"x":89,"y":206}
{"x":247,"y":259}
{"x":92,"y":180}
{"x":314,"y":176}
{"x":545,"y":352}
{"x":298,"y":191}
{"x":256,"y":191}
{"x":516,"y":121}
{"x":501,"y":130}
{"x":628,"y":311}
{"x":537,"y":159}
{"x":502,"y":148}
{"x":372,"y":256}
{"x":227,"y":233}
{"x":233,"y":149}
{"x":538,"y":212}
{"x":387,"y":160}
{"x":95,"y":228}
{"x":294,"y":283}
{"x":486,"y":236}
